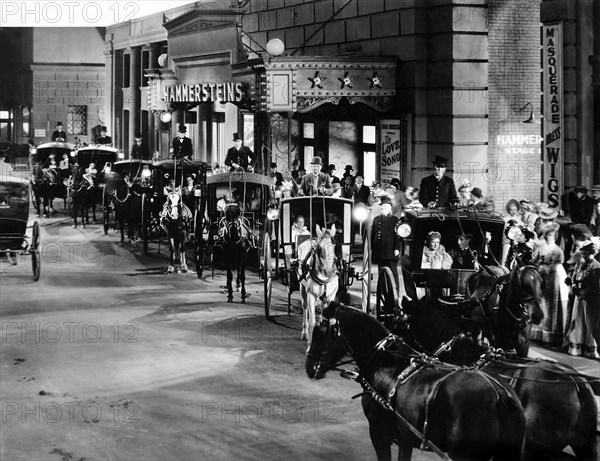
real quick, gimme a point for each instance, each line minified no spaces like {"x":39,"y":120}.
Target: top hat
{"x":316,"y":160}
{"x":595,"y":187}
{"x":332,"y":167}
{"x":59,"y":123}
{"x":547,"y":213}
{"x":349,"y":168}
{"x":237,"y":137}
{"x":138,"y":134}
{"x":181,"y":128}
{"x":103,"y":128}
{"x":439,"y":161}
{"x":273,"y":165}
{"x":580,"y":189}
{"x":385,"y":199}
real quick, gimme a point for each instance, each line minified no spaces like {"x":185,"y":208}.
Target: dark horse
{"x":82,"y":196}
{"x":127,"y":203}
{"x":560,"y":408}
{"x":174,"y":220}
{"x":236,"y":240}
{"x":505,"y":306}
{"x":416,"y":402}
{"x":42,"y":182}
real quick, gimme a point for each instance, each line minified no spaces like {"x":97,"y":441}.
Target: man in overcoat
{"x":314,"y":182}
{"x":438,"y":190}
{"x":182,"y":145}
{"x":140,"y":149}
{"x":385,"y":242}
{"x":238,"y":155}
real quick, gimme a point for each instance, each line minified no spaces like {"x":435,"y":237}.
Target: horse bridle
{"x":523,"y":319}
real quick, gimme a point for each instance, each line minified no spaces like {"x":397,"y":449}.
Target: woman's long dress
{"x":555,"y":296}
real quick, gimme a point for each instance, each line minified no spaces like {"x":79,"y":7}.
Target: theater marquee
{"x":204,"y":92}
{"x":553,"y":129}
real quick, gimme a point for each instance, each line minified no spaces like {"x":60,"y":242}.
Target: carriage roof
{"x":43,"y":151}
{"x":227,"y":177}
{"x":132,"y":166}
{"x":188,"y":166}
{"x":14,"y":206}
{"x":100,"y":155}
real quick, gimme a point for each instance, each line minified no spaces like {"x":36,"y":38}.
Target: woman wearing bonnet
{"x":434,"y":253}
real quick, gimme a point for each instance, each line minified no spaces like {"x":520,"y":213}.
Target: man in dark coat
{"x":438,"y":190}
{"x":315,"y":182}
{"x":385,"y":242}
{"x":276,"y":174}
{"x":182,"y":145}
{"x":103,"y":139}
{"x":59,"y":135}
{"x":238,"y":155}
{"x":140,"y":149}
{"x":361,"y":192}
{"x":582,"y":206}
{"x":464,"y":257}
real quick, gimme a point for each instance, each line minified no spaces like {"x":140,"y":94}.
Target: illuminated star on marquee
{"x":317,"y":81}
{"x":346,"y":81}
{"x":375,"y":80}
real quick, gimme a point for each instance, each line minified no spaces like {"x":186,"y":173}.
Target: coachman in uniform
{"x":140,"y":149}
{"x":182,"y":145}
{"x":59,"y":135}
{"x":239,"y":156}
{"x":438,"y":190}
{"x":385,"y":242}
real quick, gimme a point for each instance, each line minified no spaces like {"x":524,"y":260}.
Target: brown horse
{"x":560,"y":408}
{"x":415,"y":402}
{"x":507,"y":305}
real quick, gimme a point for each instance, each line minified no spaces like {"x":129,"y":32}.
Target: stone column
{"x":134,"y":86}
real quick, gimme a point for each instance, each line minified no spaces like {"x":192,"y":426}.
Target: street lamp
{"x":531,"y":118}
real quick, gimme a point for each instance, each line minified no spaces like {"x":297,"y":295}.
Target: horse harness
{"x":418,"y":363}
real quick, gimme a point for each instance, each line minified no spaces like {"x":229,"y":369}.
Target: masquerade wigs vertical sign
{"x":553,"y":130}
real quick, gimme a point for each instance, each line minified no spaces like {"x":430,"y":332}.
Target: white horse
{"x":318,"y":276}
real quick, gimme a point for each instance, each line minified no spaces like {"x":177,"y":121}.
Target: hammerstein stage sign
{"x":204,"y":92}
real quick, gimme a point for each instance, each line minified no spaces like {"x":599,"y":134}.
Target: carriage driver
{"x":238,"y":155}
{"x":315,"y":182}
{"x":438,"y":190}
{"x":385,"y":242}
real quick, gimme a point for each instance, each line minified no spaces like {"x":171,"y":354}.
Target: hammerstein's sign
{"x":553,"y":141}
{"x":390,"y":150}
{"x":204,"y":92}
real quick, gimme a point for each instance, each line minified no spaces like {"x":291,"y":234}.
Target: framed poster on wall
{"x":389,"y":150}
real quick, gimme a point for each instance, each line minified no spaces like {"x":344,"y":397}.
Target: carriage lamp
{"x":361,"y":212}
{"x":146,"y":173}
{"x":72,"y":153}
{"x":33,"y":150}
{"x":404,"y":230}
{"x":273,"y":214}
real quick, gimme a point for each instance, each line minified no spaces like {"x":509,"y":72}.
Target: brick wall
{"x":514,"y":81}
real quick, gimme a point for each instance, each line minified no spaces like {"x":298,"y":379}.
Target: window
{"x":77,"y":120}
{"x":126,"y":70}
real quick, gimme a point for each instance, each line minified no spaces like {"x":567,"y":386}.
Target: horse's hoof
{"x":304,"y":335}
{"x":229,"y":300}
{"x":243,"y":301}
{"x":170,"y":270}
{"x":184,"y":270}
{"x":74,"y":226}
{"x":44,"y":215}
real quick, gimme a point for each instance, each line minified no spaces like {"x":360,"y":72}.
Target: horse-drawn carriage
{"x":87,"y":181}
{"x":313,"y":236}
{"x":14,"y":214}
{"x":48,"y":181}
{"x":128,"y":194}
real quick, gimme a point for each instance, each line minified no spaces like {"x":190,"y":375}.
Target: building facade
{"x":51,"y":75}
{"x":381,"y":85}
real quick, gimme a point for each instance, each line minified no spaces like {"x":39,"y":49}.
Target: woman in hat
{"x":583,"y":333}
{"x":239,"y":156}
{"x":550,"y":258}
{"x":434,"y":253}
{"x":181,"y":147}
{"x":464,"y":194}
{"x":314,"y":182}
{"x":520,"y":252}
{"x":511,"y":218}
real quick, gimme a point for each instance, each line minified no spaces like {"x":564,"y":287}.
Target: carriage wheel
{"x":36,"y":260}
{"x":199,"y":243}
{"x":145,"y":222}
{"x":387,"y":296}
{"x":267,"y":275}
